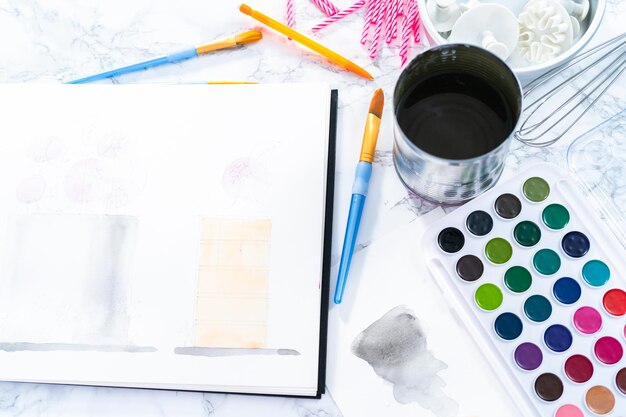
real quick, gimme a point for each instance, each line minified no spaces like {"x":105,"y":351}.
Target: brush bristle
{"x":248,"y":37}
{"x":377,"y":103}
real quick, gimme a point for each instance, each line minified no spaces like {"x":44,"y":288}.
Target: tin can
{"x":453,"y":181}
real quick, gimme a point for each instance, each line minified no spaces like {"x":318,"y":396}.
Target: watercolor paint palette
{"x":539,"y":281}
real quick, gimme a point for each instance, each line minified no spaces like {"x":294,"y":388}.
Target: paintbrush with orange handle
{"x":240,"y":39}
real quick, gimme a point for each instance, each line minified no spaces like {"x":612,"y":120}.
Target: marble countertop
{"x":56,"y":40}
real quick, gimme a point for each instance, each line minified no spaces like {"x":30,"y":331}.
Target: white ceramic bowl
{"x":527,"y":73}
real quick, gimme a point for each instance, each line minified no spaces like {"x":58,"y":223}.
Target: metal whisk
{"x":551,"y":110}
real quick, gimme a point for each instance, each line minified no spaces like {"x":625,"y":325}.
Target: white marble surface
{"x":50,"y":41}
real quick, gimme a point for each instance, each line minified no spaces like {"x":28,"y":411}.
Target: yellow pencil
{"x":309,"y":43}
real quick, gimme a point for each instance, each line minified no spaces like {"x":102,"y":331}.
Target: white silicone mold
{"x":546,"y":31}
{"x":490,"y":26}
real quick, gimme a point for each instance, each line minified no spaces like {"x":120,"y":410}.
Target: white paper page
{"x":103,"y":193}
{"x":390,"y":273}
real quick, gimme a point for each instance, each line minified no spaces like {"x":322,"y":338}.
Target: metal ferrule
{"x":370,"y":136}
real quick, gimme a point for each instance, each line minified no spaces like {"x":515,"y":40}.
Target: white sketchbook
{"x":165,"y":236}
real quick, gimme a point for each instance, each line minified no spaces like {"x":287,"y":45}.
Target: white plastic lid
{"x":598,"y":158}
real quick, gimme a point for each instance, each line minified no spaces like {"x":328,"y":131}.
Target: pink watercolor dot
{"x":245,"y":177}
{"x":569,"y":410}
{"x":31,"y":189}
{"x":111,"y":145}
{"x":587,"y":320}
{"x":45,"y":149}
{"x":84,"y":181}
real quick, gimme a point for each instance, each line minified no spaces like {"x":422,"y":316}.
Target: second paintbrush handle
{"x":168,"y":59}
{"x":359,"y":192}
{"x":349,"y":240}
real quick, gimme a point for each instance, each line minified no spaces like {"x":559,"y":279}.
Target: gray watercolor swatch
{"x":66,"y":280}
{"x":72,"y":347}
{"x":218,"y":352}
{"x":395,"y":347}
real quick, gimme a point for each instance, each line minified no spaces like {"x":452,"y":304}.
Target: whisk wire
{"x":614,"y":74}
{"x":567,"y":81}
{"x":572,"y":108}
{"x":580,"y":92}
{"x":537,"y":82}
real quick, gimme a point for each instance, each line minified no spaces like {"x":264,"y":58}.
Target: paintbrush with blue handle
{"x":359,"y":189}
{"x":240,"y":39}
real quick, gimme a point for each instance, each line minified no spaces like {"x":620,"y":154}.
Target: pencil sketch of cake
{"x":233,"y":281}
{"x":232,"y":292}
{"x":53,"y":258}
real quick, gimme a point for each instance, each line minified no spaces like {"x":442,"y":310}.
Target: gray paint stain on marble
{"x":395,"y":347}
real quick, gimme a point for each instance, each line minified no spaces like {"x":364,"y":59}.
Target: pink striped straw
{"x":326,"y":7}
{"x":379,"y":15}
{"x":290,"y":14}
{"x":339,"y":15}
{"x":392,"y":21}
{"x":406,"y":37}
{"x":369,"y":17}
{"x":417,"y":27}
{"x":386,"y":17}
{"x":388,"y":9}
{"x":414,"y":19}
